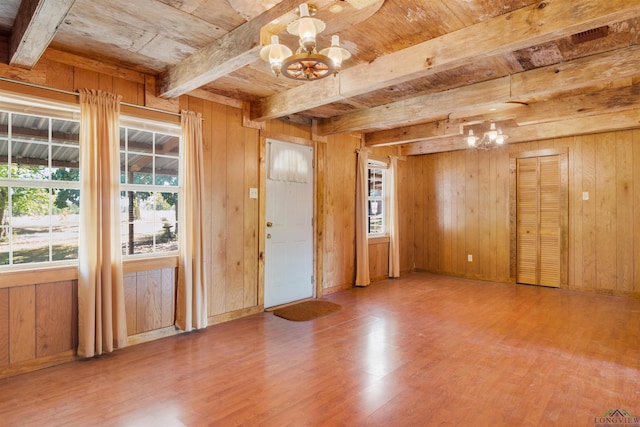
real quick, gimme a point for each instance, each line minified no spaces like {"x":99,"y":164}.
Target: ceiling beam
{"x":35,"y":26}
{"x":545,"y":81}
{"x":540,"y":23}
{"x":607,"y":122}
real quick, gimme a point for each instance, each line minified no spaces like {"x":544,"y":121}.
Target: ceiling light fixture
{"x":306,"y":63}
{"x":491,"y":139}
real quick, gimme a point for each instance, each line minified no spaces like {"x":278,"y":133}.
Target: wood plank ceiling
{"x":422,"y":71}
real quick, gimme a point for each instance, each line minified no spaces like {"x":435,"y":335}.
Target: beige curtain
{"x":394,"y":245}
{"x":191,"y":301}
{"x":102,"y":324}
{"x":362,"y":244}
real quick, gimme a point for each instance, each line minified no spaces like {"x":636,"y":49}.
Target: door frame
{"x":317,"y":241}
{"x":563,"y":154}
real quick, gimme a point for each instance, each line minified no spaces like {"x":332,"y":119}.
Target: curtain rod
{"x":67,"y":92}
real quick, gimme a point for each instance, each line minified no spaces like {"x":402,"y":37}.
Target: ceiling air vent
{"x":592,"y":34}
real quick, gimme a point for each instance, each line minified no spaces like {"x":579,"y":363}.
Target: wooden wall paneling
{"x":433,"y":215}
{"x":149,"y":300}
{"x":130,"y":302}
{"x":4,"y":327}
{"x":235,"y":210}
{"x":132,"y":92}
{"x":485,"y":231}
{"x":588,"y":144}
{"x":406,"y":195}
{"x":472,"y":217}
{"x":636,"y":210}
{"x":447,"y":173}
{"x":346,"y":182}
{"x":492,"y":263}
{"x":217,"y":167}
{"x":105,"y":83}
{"x":85,"y":79}
{"x":262,"y":209}
{"x":419,"y":211}
{"x":251,"y":218}
{"x":318,"y":223}
{"x":460,"y":256}
{"x":339,"y":217}
{"x":22,"y":323}
{"x":606,"y":212}
{"x":330,"y":276}
{"x":379,"y":260}
{"x":501,"y":208}
{"x":576,"y":214}
{"x":54,"y":318}
{"x":59,"y":76}
{"x":168,"y":297}
{"x":209,"y":209}
{"x":624,"y":202}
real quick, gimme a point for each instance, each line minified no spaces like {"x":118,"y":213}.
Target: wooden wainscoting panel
{"x":130,"y":304}
{"x":54,"y":318}
{"x":148,"y":300}
{"x":4,"y":327}
{"x":379,"y":260}
{"x":168,"y":296}
{"x":22,"y":323}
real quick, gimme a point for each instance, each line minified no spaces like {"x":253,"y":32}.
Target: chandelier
{"x":307,"y":63}
{"x":491,"y":139}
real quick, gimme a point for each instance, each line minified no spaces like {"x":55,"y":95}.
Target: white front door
{"x":289,"y":223}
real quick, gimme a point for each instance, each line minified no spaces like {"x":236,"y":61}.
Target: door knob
{"x":269,"y":224}
{"x":268,"y":236}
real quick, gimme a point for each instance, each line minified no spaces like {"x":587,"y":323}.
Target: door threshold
{"x":275,"y":307}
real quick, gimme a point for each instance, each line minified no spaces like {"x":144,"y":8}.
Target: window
{"x":149,"y":162}
{"x":39,"y":189}
{"x":40,"y":183}
{"x":376,"y":200}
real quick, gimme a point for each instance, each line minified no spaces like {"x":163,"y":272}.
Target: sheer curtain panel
{"x":102,"y":325}
{"x":191,"y":301}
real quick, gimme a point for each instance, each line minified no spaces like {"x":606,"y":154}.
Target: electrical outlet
{"x":253,"y":193}
{"x":470,"y":258}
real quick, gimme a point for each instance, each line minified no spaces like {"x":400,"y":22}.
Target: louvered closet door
{"x":538,"y":216}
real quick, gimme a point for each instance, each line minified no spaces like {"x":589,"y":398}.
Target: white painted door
{"x":289,"y":228}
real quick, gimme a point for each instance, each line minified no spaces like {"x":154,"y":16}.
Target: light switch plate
{"x":585,"y":195}
{"x":253,"y":193}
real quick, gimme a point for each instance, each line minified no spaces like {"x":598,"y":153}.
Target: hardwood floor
{"x":420,"y":350}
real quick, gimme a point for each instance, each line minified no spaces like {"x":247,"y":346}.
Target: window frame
{"x":23,"y":106}
{"x":155,"y":128}
{"x":65,"y":108}
{"x":373,"y":164}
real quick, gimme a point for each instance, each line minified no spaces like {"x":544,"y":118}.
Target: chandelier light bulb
{"x":275,"y":53}
{"x":336,"y":53}
{"x":471,"y":139}
{"x":306,"y":29}
{"x":493,"y":133}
